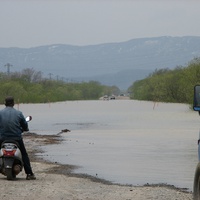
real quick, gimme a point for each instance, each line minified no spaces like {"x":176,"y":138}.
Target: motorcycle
{"x":196,"y":183}
{"x":11,"y":163}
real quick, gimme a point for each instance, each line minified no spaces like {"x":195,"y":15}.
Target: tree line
{"x":167,"y":85}
{"x":28,"y":86}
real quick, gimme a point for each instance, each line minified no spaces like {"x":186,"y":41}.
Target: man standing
{"x":12,"y":125}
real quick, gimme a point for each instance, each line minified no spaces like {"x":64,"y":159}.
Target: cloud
{"x":27,"y":23}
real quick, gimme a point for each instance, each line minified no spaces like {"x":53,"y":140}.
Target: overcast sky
{"x":30,"y":23}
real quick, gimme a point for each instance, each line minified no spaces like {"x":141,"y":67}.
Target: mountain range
{"x":118,"y":64}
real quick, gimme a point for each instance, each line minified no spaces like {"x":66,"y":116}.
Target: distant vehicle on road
{"x":112,"y":97}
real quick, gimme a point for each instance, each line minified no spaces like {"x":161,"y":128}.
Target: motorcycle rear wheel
{"x":196,"y":184}
{"x":9,"y":174}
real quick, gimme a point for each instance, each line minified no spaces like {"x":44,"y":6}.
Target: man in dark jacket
{"x":12,"y":125}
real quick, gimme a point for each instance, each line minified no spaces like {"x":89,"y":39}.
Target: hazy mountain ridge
{"x":111,"y":63}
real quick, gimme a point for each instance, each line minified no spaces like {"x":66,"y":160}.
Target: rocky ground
{"x":56,"y":182}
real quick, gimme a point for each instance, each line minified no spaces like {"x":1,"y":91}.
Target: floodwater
{"x":123,"y":141}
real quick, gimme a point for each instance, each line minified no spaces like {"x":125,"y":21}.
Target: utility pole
{"x":8,"y":65}
{"x":50,"y":74}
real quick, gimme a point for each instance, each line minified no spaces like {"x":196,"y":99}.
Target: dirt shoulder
{"x":56,"y":181}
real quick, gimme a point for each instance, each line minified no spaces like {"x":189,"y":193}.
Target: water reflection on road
{"x":128,"y":142}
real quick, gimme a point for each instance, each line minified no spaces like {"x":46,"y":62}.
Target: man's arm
{"x":23,"y":123}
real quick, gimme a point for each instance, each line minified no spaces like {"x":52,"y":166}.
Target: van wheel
{"x":196,"y":185}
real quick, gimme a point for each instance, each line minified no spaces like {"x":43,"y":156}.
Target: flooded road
{"x":123,"y":141}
